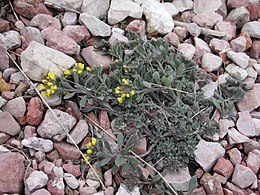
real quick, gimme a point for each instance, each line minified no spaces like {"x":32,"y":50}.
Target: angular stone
{"x":236,"y":72}
{"x":187,"y":50}
{"x":213,"y":186}
{"x":124,"y":191}
{"x":56,"y":186}
{"x":194,"y":29}
{"x":251,"y":100}
{"x":32,"y":34}
{"x":71,"y":181}
{"x":223,"y":167}
{"x":234,"y":189}
{"x":245,"y":124}
{"x":36,"y":180}
{"x":172,"y":38}
{"x":17,"y":78}
{"x":211,"y":62}
{"x":183,"y":5}
{"x":95,"y":26}
{"x":239,"y":44}
{"x":41,"y":192}
{"x":37,"y":64}
{"x":170,"y":8}
{"x":234,"y":137}
{"x":253,"y":29}
{"x":108,"y":178}
{"x":243,"y":176}
{"x":97,"y":8}
{"x":77,"y":32}
{"x":3,"y":138}
{"x":8,"y":124}
{"x":74,"y":5}
{"x":72,"y":169}
{"x":43,"y":21}
{"x":4,"y":25}
{"x":235,"y":156}
{"x":67,"y":151}
{"x":253,"y":162}
{"x":35,"y":110}
{"x":181,"y":32}
{"x":69,"y":18}
{"x":12,"y":39}
{"x":207,"y":153}
{"x":201,"y":6}
{"x":138,"y":26}
{"x":16,"y":107}
{"x":117,"y":37}
{"x":228,"y":27}
{"x":79,"y":132}
{"x":237,"y":3}
{"x":50,"y":128}
{"x":38,"y":144}
{"x":4,"y":59}
{"x":239,"y":16}
{"x":207,"y":19}
{"x":141,"y":146}
{"x":201,"y":48}
{"x":240,"y":58}
{"x":257,"y":126}
{"x":87,"y":190}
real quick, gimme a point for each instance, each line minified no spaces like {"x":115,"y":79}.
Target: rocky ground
{"x":222,"y":36}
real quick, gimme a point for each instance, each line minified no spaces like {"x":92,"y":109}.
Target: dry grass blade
{"x":56,"y":118}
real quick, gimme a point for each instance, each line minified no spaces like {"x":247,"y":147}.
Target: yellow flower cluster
{"x":48,"y":86}
{"x":78,"y":68}
{"x":90,"y":146}
{"x":123,"y":92}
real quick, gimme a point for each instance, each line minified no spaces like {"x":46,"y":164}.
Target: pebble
{"x":207,"y":19}
{"x":4,"y":59}
{"x":243,"y":176}
{"x":67,"y":151}
{"x":72,"y":169}
{"x":228,"y":27}
{"x":32,"y":34}
{"x":255,"y":49}
{"x":237,"y":3}
{"x":56,"y":186}
{"x":240,"y":58}
{"x":124,"y":191}
{"x":108,"y":178}
{"x":187,"y":50}
{"x":211,"y":62}
{"x":252,"y":28}
{"x":41,"y":192}
{"x":69,"y":18}
{"x":245,"y":124}
{"x":71,"y":181}
{"x":8,"y":124}
{"x":4,"y":25}
{"x":183,"y":5}
{"x":235,"y":137}
{"x":36,"y":180}
{"x":172,"y":38}
{"x":79,"y":132}
{"x":74,"y":5}
{"x":194,"y":29}
{"x":257,"y":126}
{"x":34,"y":115}
{"x":239,"y":44}
{"x":137,"y":26}
{"x":224,"y":167}
{"x":170,"y":8}
{"x":93,"y":183}
{"x":38,"y":144}
{"x":201,"y":6}
{"x":77,"y":32}
{"x":253,"y":162}
{"x":43,"y":21}
{"x":97,"y":8}
{"x":12,"y":39}
{"x":239,"y":16}
{"x":236,"y":72}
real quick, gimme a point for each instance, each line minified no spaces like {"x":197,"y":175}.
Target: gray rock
{"x":69,"y":18}
{"x":179,"y":180}
{"x":97,"y":8}
{"x":124,"y":191}
{"x":8,"y":124}
{"x":201,"y":6}
{"x":36,"y":180}
{"x":209,"y":89}
{"x":32,"y":34}
{"x":211,"y":62}
{"x":201,"y":47}
{"x":253,"y":29}
{"x":245,"y":124}
{"x":117,"y":37}
{"x":53,"y":100}
{"x":71,"y":181}
{"x":4,"y":59}
{"x":17,"y":78}
{"x":75,"y":4}
{"x":15,"y":107}
{"x":239,"y":16}
{"x":58,"y":171}
{"x":236,"y":72}
{"x":257,"y":68}
{"x":218,"y":45}
{"x":187,"y":50}
{"x":240,"y":58}
{"x":171,"y":9}
{"x":38,"y":144}
{"x":79,"y":132}
{"x":183,"y":5}
{"x":243,"y":176}
{"x":12,"y":39}
{"x":234,"y":137}
{"x":2,"y":102}
{"x":49,"y":128}
{"x":207,"y":19}
{"x":194,"y":29}
{"x":207,"y":153}
{"x":8,"y":72}
{"x":37,"y":64}
{"x":95,"y":26}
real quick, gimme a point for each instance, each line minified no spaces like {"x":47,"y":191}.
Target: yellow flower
{"x":128,"y":95}
{"x":44,"y":81}
{"x":54,"y":87}
{"x":44,"y":94}
{"x":93,"y":141}
{"x":48,"y":92}
{"x":74,"y":70}
{"x":49,"y":83}
{"x":132,"y":92}
{"x":42,"y":87}
{"x":80,"y":71}
{"x":125,"y":82}
{"x":89,"y":151}
{"x":67,"y":72}
{"x":123,"y":95}
{"x":88,"y":69}
{"x":120,"y":100}
{"x":81,"y":66}
{"x":117,"y":91}
{"x":86,"y":158}
{"x":88,"y":145}
{"x":51,"y":75}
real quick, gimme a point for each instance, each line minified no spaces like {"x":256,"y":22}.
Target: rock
{"x":119,"y":10}
{"x":201,"y":48}
{"x":236,"y":72}
{"x":253,"y":29}
{"x":209,"y":89}
{"x":138,"y":26}
{"x":158,"y":20}
{"x":224,"y":125}
{"x":212,"y":186}
{"x":8,"y":95}
{"x":36,"y":180}
{"x":4,"y":59}
{"x":79,"y":132}
{"x":17,"y":78}
{"x":201,"y":6}
{"x":98,"y":8}
{"x":44,"y":60}
{"x":181,"y":32}
{"x":172,"y":38}
{"x":183,"y":5}
{"x":240,"y":58}
{"x":58,"y":172}
{"x":124,"y":191}
{"x":41,"y":192}
{"x":245,"y":124}
{"x":72,"y":169}
{"x":12,"y":39}
{"x":29,"y":9}
{"x":4,"y":25}
{"x":67,"y":151}
{"x":235,"y":156}
{"x":171,"y":9}
{"x":96,"y":58}
{"x":234,"y":137}
{"x":211,"y":62}
{"x":93,"y":183}
{"x":141,"y":146}
{"x":223,"y":167}
{"x":228,"y":27}
{"x":237,"y":3}
{"x":87,"y":190}
{"x":95,"y":176}
{"x":243,"y":176}
{"x":117,"y":37}
{"x":239,"y":44}
{"x":71,"y":181}
{"x":198,"y":191}
{"x":53,"y":100}
{"x":187,"y":50}
{"x":43,"y":21}
{"x":250,"y":101}
{"x":251,"y":145}
{"x":207,"y":153}
{"x":69,"y":18}
{"x":257,"y":126}
{"x":32,"y":34}
{"x":253,"y":162}
{"x":73,"y":110}
{"x":49,"y":128}
{"x":40,"y":156}
{"x":2,"y":102}
{"x":8,"y":124}
{"x":95,"y":26}
{"x":234,"y":189}
{"x":108,"y":178}
{"x":77,"y":32}
{"x":74,"y":5}
{"x":194,"y":29}
{"x":109,"y":191}
{"x":16,"y":107}
{"x":207,"y":19}
{"x":239,"y":16}
{"x":56,"y":186}
{"x":179,"y":180}
{"x":221,"y":178}
{"x":38,"y":144}
{"x":34,"y":113}
{"x":248,"y":39}
{"x":3,"y":138}
{"x":257,"y":68}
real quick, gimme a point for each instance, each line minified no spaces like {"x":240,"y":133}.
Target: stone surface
{"x":170,"y":8}
{"x":243,"y":176}
{"x":4,"y":25}
{"x":237,"y":3}
{"x":239,"y":44}
{"x":34,"y":113}
{"x":95,"y":26}
{"x":245,"y":124}
{"x":43,"y":21}
{"x":72,"y":169}
{"x":158,"y":20}
{"x":201,"y":6}
{"x":71,"y":181}
{"x":201,"y":48}
{"x":253,"y":29}
{"x":37,"y":64}
{"x":97,"y":8}
{"x":141,"y":146}
{"x":239,"y":16}
{"x":38,"y":144}
{"x":79,"y":132}
{"x":194,"y":29}
{"x":12,"y":39}
{"x":255,"y":49}
{"x":117,"y":37}
{"x":16,"y":107}
{"x":207,"y":153}
{"x":36,"y":180}
{"x":240,"y":58}
{"x":56,"y":186}
{"x":236,"y":72}
{"x":253,"y":161}
{"x":228,"y":27}
{"x":32,"y":34}
{"x":235,"y":156}
{"x":75,"y":4}
{"x":181,"y":32}
{"x":207,"y":19}
{"x":235,"y":137}
{"x":187,"y":50}
{"x":257,"y":126}
{"x":4,"y":59}
{"x":211,"y":62}
{"x":251,"y":100}
{"x":69,"y":18}
{"x":179,"y":180}
{"x":124,"y":191}
{"x":8,"y":124}
{"x":138,"y":26}
{"x":77,"y":32}
{"x":183,"y":5}
{"x":17,"y":78}
{"x":49,"y":128}
{"x":41,"y":192}
{"x":67,"y":151}
{"x":223,"y":167}
{"x":172,"y":38}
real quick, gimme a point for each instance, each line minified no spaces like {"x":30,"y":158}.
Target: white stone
{"x":95,"y":26}
{"x":36,"y":180}
{"x":253,"y":29}
{"x":32,"y":34}
{"x":58,"y":171}
{"x":211,"y":62}
{"x":12,"y":39}
{"x":183,"y":5}
{"x":97,"y":8}
{"x":37,"y":60}
{"x":257,"y":68}
{"x":71,"y":181}
{"x":53,"y":100}
{"x":187,"y":50}
{"x":171,"y":9}
{"x":72,"y":4}
{"x":201,"y":6}
{"x":158,"y":20}
{"x":207,"y":153}
{"x":234,"y":137}
{"x":257,"y":126}
{"x":2,"y":101}
{"x":243,"y":176}
{"x":239,"y":16}
{"x":240,"y":58}
{"x":38,"y":144}
{"x":124,"y":191}
{"x":223,"y":78}
{"x":236,"y":72}
{"x":179,"y":180}
{"x":209,"y":89}
{"x":119,"y":10}
{"x":69,"y":18}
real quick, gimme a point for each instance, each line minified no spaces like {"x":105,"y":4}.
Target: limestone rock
{"x":253,"y":29}
{"x":211,"y":62}
{"x":97,"y":8}
{"x":236,"y":72}
{"x":240,"y":58}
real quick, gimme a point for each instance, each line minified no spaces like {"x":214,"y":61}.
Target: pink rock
{"x":87,"y":190}
{"x":12,"y":171}
{"x":34,"y":112}
{"x":77,"y":32}
{"x":36,"y":180}
{"x":15,"y":107}
{"x":4,"y":137}
{"x":41,"y":192}
{"x":238,"y":16}
{"x":96,"y":58}
{"x":235,"y":189}
{"x":207,"y":19}
{"x":117,"y":37}
{"x":72,"y":169}
{"x":221,"y":178}
{"x":8,"y":95}
{"x":211,"y":62}
{"x":173,"y":39}
{"x":227,"y":191}
{"x":237,"y":3}
{"x":141,"y":146}
{"x":103,"y":119}
{"x":43,"y":21}
{"x":194,"y":30}
{"x":29,"y":131}
{"x":187,"y":50}
{"x":213,"y":186}
{"x":40,"y":156}
{"x":108,"y":178}
{"x":29,"y":9}
{"x":245,"y":124}
{"x":201,"y":48}
{"x":253,"y":162}
{"x":201,"y":6}
{"x":224,"y":167}
{"x":223,"y":9}
{"x":4,"y":25}
{"x":8,"y":124}
{"x":181,"y":32}
{"x":16,"y":143}
{"x":243,"y":176}
{"x":235,"y":156}
{"x":73,"y":110}
{"x":79,"y":132}
{"x":56,"y":186}
{"x":47,"y":167}
{"x":227,"y":27}
{"x":67,"y":151}
{"x":238,"y":44}
{"x":254,"y":10}
{"x":198,"y":191}
{"x":255,"y":49}
{"x":224,"y":125}
{"x":138,"y":26}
